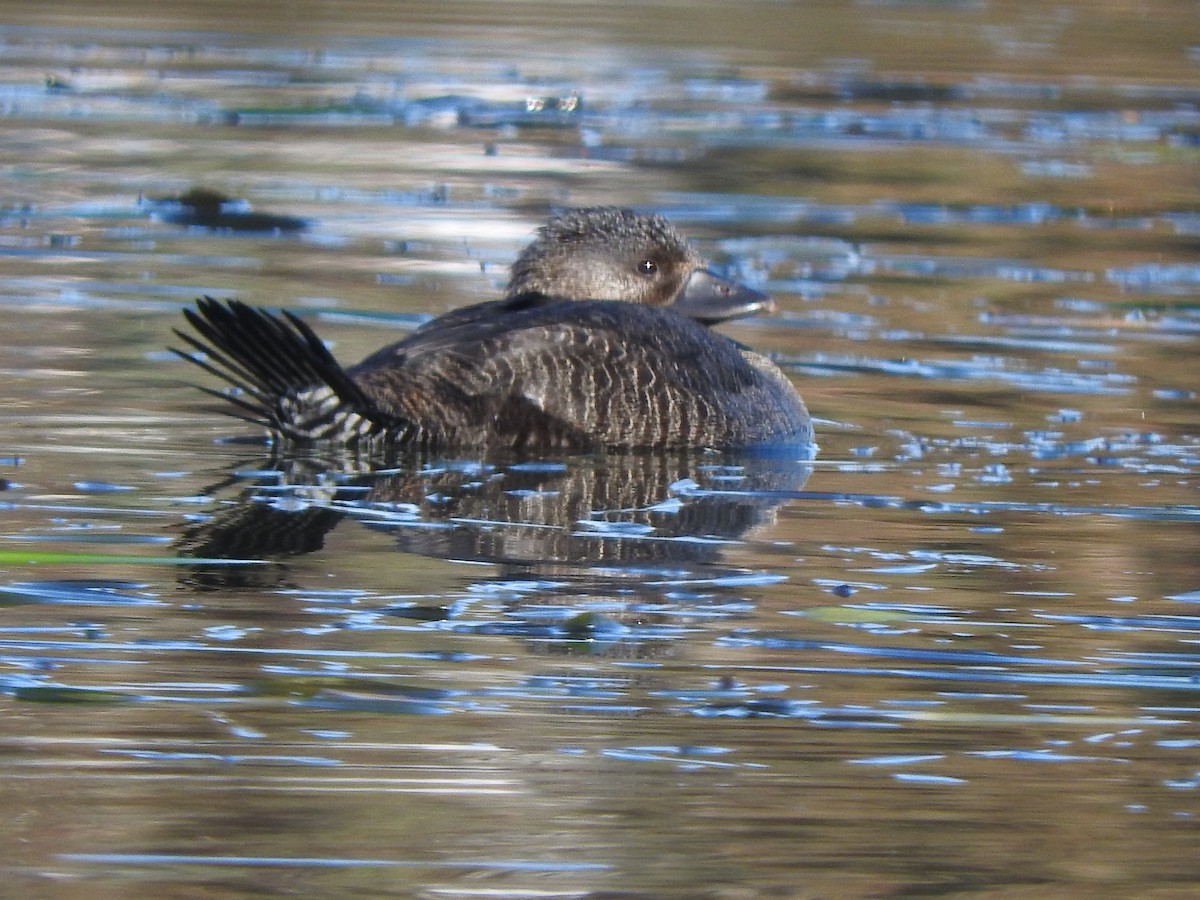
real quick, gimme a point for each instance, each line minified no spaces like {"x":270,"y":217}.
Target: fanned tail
{"x":283,"y":376}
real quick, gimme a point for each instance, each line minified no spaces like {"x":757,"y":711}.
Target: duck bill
{"x":709,"y":299}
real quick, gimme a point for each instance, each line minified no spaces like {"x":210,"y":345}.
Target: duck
{"x":603,"y":340}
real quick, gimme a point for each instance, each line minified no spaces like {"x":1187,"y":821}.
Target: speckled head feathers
{"x":606,"y":253}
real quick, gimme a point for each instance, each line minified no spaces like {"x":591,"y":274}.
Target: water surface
{"x":956,"y":654}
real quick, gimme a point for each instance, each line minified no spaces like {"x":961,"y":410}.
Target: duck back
{"x":584,"y":375}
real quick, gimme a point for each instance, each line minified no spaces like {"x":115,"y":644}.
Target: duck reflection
{"x":577,"y":529}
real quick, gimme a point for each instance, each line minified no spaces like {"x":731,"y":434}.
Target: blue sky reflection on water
{"x":955,"y":653}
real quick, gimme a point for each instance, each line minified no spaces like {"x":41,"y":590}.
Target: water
{"x":955,"y":654}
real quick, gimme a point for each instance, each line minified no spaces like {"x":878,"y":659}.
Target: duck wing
{"x":578,"y":375}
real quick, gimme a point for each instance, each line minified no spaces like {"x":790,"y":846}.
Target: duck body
{"x":566,"y":375}
{"x":535,"y":371}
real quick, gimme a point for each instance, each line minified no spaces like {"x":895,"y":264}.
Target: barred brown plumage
{"x":633,"y":365}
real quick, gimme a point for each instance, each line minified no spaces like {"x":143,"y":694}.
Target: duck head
{"x":607,"y":253}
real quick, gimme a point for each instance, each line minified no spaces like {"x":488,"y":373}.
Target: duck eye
{"x":647,"y":267}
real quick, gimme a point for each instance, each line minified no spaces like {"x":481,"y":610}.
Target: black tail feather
{"x":222,"y":367}
{"x":285,"y":378}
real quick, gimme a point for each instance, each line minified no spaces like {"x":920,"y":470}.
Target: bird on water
{"x":601,"y":341}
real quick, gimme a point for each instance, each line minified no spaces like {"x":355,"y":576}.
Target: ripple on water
{"x":1005,"y":391}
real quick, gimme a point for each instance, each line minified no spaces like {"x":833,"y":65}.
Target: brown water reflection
{"x":958,"y":657}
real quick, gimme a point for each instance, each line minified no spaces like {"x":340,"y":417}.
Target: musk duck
{"x":602,"y":341}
